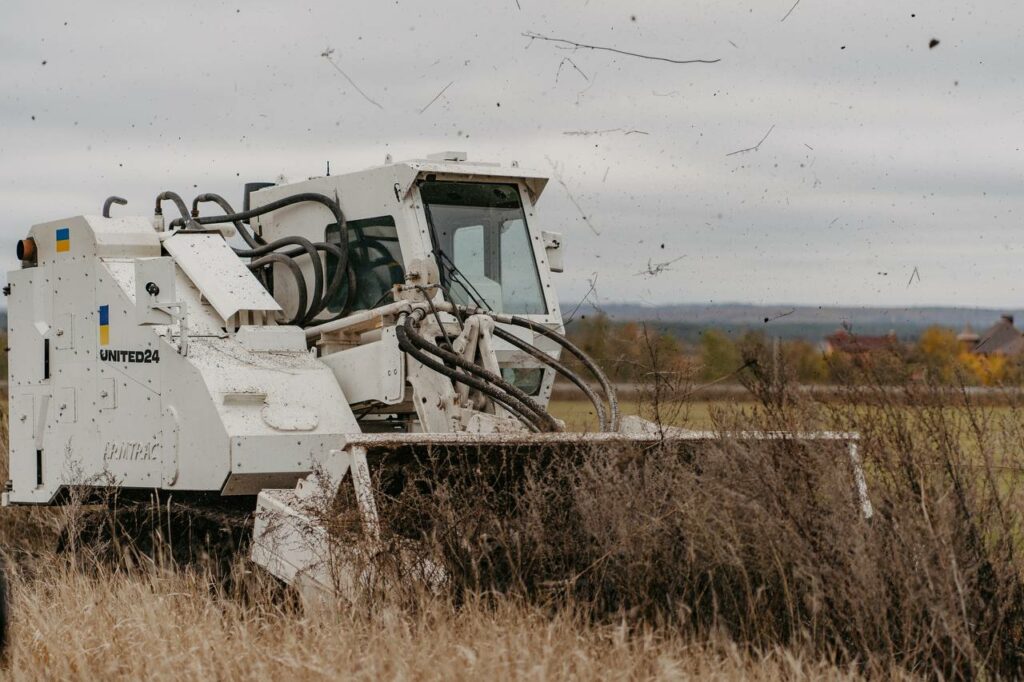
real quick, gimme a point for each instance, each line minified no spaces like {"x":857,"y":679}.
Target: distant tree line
{"x":631,"y":351}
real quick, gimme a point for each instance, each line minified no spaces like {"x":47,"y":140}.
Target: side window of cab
{"x":375,"y":258}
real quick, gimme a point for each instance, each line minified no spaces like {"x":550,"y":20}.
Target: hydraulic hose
{"x":178,"y":201}
{"x":606,"y":386}
{"x":305,"y":247}
{"x":110,"y":202}
{"x":558,"y":367}
{"x":335,"y":284}
{"x":321,"y":298}
{"x":252,"y":239}
{"x":300,"y":280}
{"x":506,"y":401}
{"x":331,"y":204}
{"x":514,"y":392}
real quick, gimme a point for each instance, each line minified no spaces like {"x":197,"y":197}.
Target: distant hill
{"x":688,"y":320}
{"x":813,"y":323}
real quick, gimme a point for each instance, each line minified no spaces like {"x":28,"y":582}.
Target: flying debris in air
{"x":655,"y":269}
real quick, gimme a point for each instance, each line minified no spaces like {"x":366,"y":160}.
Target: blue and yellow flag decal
{"x":63,"y":239}
{"x":104,"y":325}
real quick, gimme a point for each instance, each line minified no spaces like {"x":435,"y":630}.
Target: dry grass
{"x":579,"y":415}
{"x":152,"y":626}
{"x":737,"y":561}
{"x":172,"y":623}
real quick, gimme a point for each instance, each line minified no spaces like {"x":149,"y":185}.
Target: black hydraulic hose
{"x":330,"y":203}
{"x":334,"y":286}
{"x":606,"y":386}
{"x":513,"y":406}
{"x":524,"y":416}
{"x":558,"y":367}
{"x":258,"y":247}
{"x":328,"y":296}
{"x":353,"y":282}
{"x":336,"y":283}
{"x":300,"y":280}
{"x":252,"y":239}
{"x":304,"y":247}
{"x":320,"y":297}
{"x":111,"y":201}
{"x":178,"y":201}
{"x":340,"y":251}
{"x":511,"y":390}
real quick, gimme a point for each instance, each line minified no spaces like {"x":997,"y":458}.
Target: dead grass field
{"x":167,"y":623}
{"x":579,"y":415}
{"x":78,"y":619}
{"x":170,"y":627}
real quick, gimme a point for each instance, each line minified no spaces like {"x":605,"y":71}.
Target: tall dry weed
{"x":760,"y":539}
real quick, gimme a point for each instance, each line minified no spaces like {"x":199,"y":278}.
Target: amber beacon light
{"x":27,"y":249}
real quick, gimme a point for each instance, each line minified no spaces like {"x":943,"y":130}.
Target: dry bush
{"x":759,"y":540}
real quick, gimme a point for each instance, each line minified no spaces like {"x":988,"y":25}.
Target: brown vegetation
{"x":743,"y":558}
{"x":935,"y":357}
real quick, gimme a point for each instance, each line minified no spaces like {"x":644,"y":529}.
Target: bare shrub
{"x":762,"y":539}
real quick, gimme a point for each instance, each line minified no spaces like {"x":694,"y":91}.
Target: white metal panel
{"x":160,"y":273}
{"x":21,"y":446}
{"x":271,"y":338}
{"x":373,"y":371}
{"x":106,"y":398}
{"x":219,"y":274}
{"x":64,"y":332}
{"x":89,"y":236}
{"x":28,"y":310}
{"x":66,"y":412}
{"x":124,"y":236}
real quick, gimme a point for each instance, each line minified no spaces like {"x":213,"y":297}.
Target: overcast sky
{"x":886,"y":155}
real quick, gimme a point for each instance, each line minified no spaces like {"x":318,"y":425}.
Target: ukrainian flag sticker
{"x":63,"y":239}
{"x":104,"y":325}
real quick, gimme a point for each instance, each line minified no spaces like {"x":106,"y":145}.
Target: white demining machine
{"x":402,"y":307}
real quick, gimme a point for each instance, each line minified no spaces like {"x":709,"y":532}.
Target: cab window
{"x":374,"y":255}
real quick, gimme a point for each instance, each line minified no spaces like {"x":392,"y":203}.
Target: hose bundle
{"x":526,"y":409}
{"x":310,"y":303}
{"x":509,"y":396}
{"x":612,"y":421}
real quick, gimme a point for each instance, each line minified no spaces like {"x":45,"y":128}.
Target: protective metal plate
{"x":219,"y":274}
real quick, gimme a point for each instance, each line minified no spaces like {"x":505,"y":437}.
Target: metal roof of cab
{"x":456,"y":163}
{"x":442,"y":164}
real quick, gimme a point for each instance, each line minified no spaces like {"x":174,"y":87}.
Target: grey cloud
{"x":198,"y":96}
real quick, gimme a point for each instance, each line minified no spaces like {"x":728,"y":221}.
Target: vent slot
{"x":46,"y":358}
{"x":39,"y":468}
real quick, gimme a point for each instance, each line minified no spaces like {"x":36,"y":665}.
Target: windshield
{"x":483,"y":247}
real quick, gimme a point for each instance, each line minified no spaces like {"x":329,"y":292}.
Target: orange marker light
{"x":27,"y":249}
